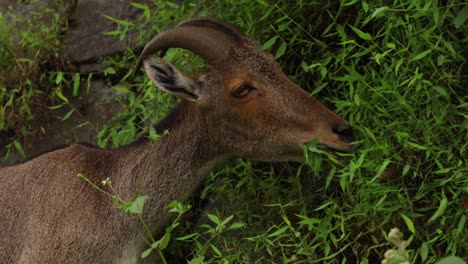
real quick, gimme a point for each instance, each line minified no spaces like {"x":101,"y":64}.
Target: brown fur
{"x":49,"y":215}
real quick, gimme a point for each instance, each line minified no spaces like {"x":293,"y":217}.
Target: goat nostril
{"x":345,"y":132}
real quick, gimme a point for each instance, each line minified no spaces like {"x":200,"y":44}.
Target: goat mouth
{"x":350,"y":147}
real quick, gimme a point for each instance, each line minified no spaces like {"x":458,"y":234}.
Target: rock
{"x":97,"y":108}
{"x":26,"y":10}
{"x":86,"y":40}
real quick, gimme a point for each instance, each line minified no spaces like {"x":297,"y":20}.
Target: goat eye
{"x":242,"y":91}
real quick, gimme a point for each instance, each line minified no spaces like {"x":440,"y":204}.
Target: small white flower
{"x":107,"y":181}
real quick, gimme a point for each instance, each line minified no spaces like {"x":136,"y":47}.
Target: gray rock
{"x":85,"y":40}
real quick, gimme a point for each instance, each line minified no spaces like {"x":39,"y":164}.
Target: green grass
{"x":395,"y":72}
{"x":29,"y":62}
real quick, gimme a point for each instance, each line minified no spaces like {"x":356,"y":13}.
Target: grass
{"x":395,"y":72}
{"x":29,"y":62}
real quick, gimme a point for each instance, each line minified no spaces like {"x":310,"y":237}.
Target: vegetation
{"x":395,"y":72}
{"x":29,"y":62}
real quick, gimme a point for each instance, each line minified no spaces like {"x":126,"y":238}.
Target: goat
{"x":243,"y":105}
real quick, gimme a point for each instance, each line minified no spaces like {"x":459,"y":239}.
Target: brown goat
{"x":242,"y":106}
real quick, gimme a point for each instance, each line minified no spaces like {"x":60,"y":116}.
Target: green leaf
{"x":227,"y":220}
{"x":59,"y":78}
{"x":379,"y":10}
{"x":409,"y":223}
{"x":61,"y":96}
{"x":424,"y":251}
{"x":136,"y":206}
{"x":144,"y":7}
{"x":56,"y":106}
{"x":82,"y":124}
{"x":76,"y":83}
{"x":236,"y":225}
{"x":365,"y":6}
{"x":461,"y":225}
{"x":214,"y":219}
{"x":451,"y":260}
{"x":153,"y":135}
{"x":461,"y":16}
{"x":361,"y":34}
{"x":67,"y":115}
{"x":146,"y":253}
{"x":350,"y":3}
{"x":278,"y":232}
{"x":421,"y":55}
{"x":19,"y":148}
{"x":440,"y":90}
{"x":405,"y":169}
{"x":121,"y":89}
{"x":119,"y":21}
{"x":416,"y":146}
{"x":189,"y":236}
{"x":269,"y":43}
{"x":281,"y":50}
{"x":165,"y":241}
{"x":216,"y":250}
{"x":441,"y":209}
{"x":109,"y":71}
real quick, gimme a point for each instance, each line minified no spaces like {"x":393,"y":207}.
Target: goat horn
{"x":207,"y":37}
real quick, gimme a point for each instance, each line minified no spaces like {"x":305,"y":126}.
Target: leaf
{"x":227,"y":220}
{"x":236,"y":225}
{"x":61,"y":96}
{"x":269,"y":43}
{"x":416,"y":146}
{"x":365,"y":6}
{"x":136,"y":206}
{"x":143,"y":7}
{"x":216,"y":250}
{"x":441,"y":209}
{"x":424,"y":251}
{"x":350,"y":3}
{"x":121,"y":89}
{"x":361,"y":34}
{"x":214,"y":219}
{"x":153,"y":136}
{"x":56,"y":106}
{"x":421,"y":55}
{"x":119,"y":21}
{"x":379,"y":10}
{"x":283,"y":26}
{"x":310,"y":221}
{"x":82,"y":124}
{"x":278,"y":232}
{"x":461,"y":17}
{"x":146,"y":253}
{"x":383,"y":166}
{"x":165,"y":241}
{"x":451,"y":260}
{"x":59,"y":78}
{"x":68,"y":114}
{"x":19,"y":148}
{"x":409,"y":223}
{"x":281,"y":50}
{"x":460,"y":225}
{"x":76,"y":84}
{"x":189,"y":236}
{"x":405,"y":169}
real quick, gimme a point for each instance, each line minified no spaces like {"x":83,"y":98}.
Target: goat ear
{"x":169,"y":79}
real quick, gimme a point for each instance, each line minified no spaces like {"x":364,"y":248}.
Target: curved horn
{"x":209,"y":38}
